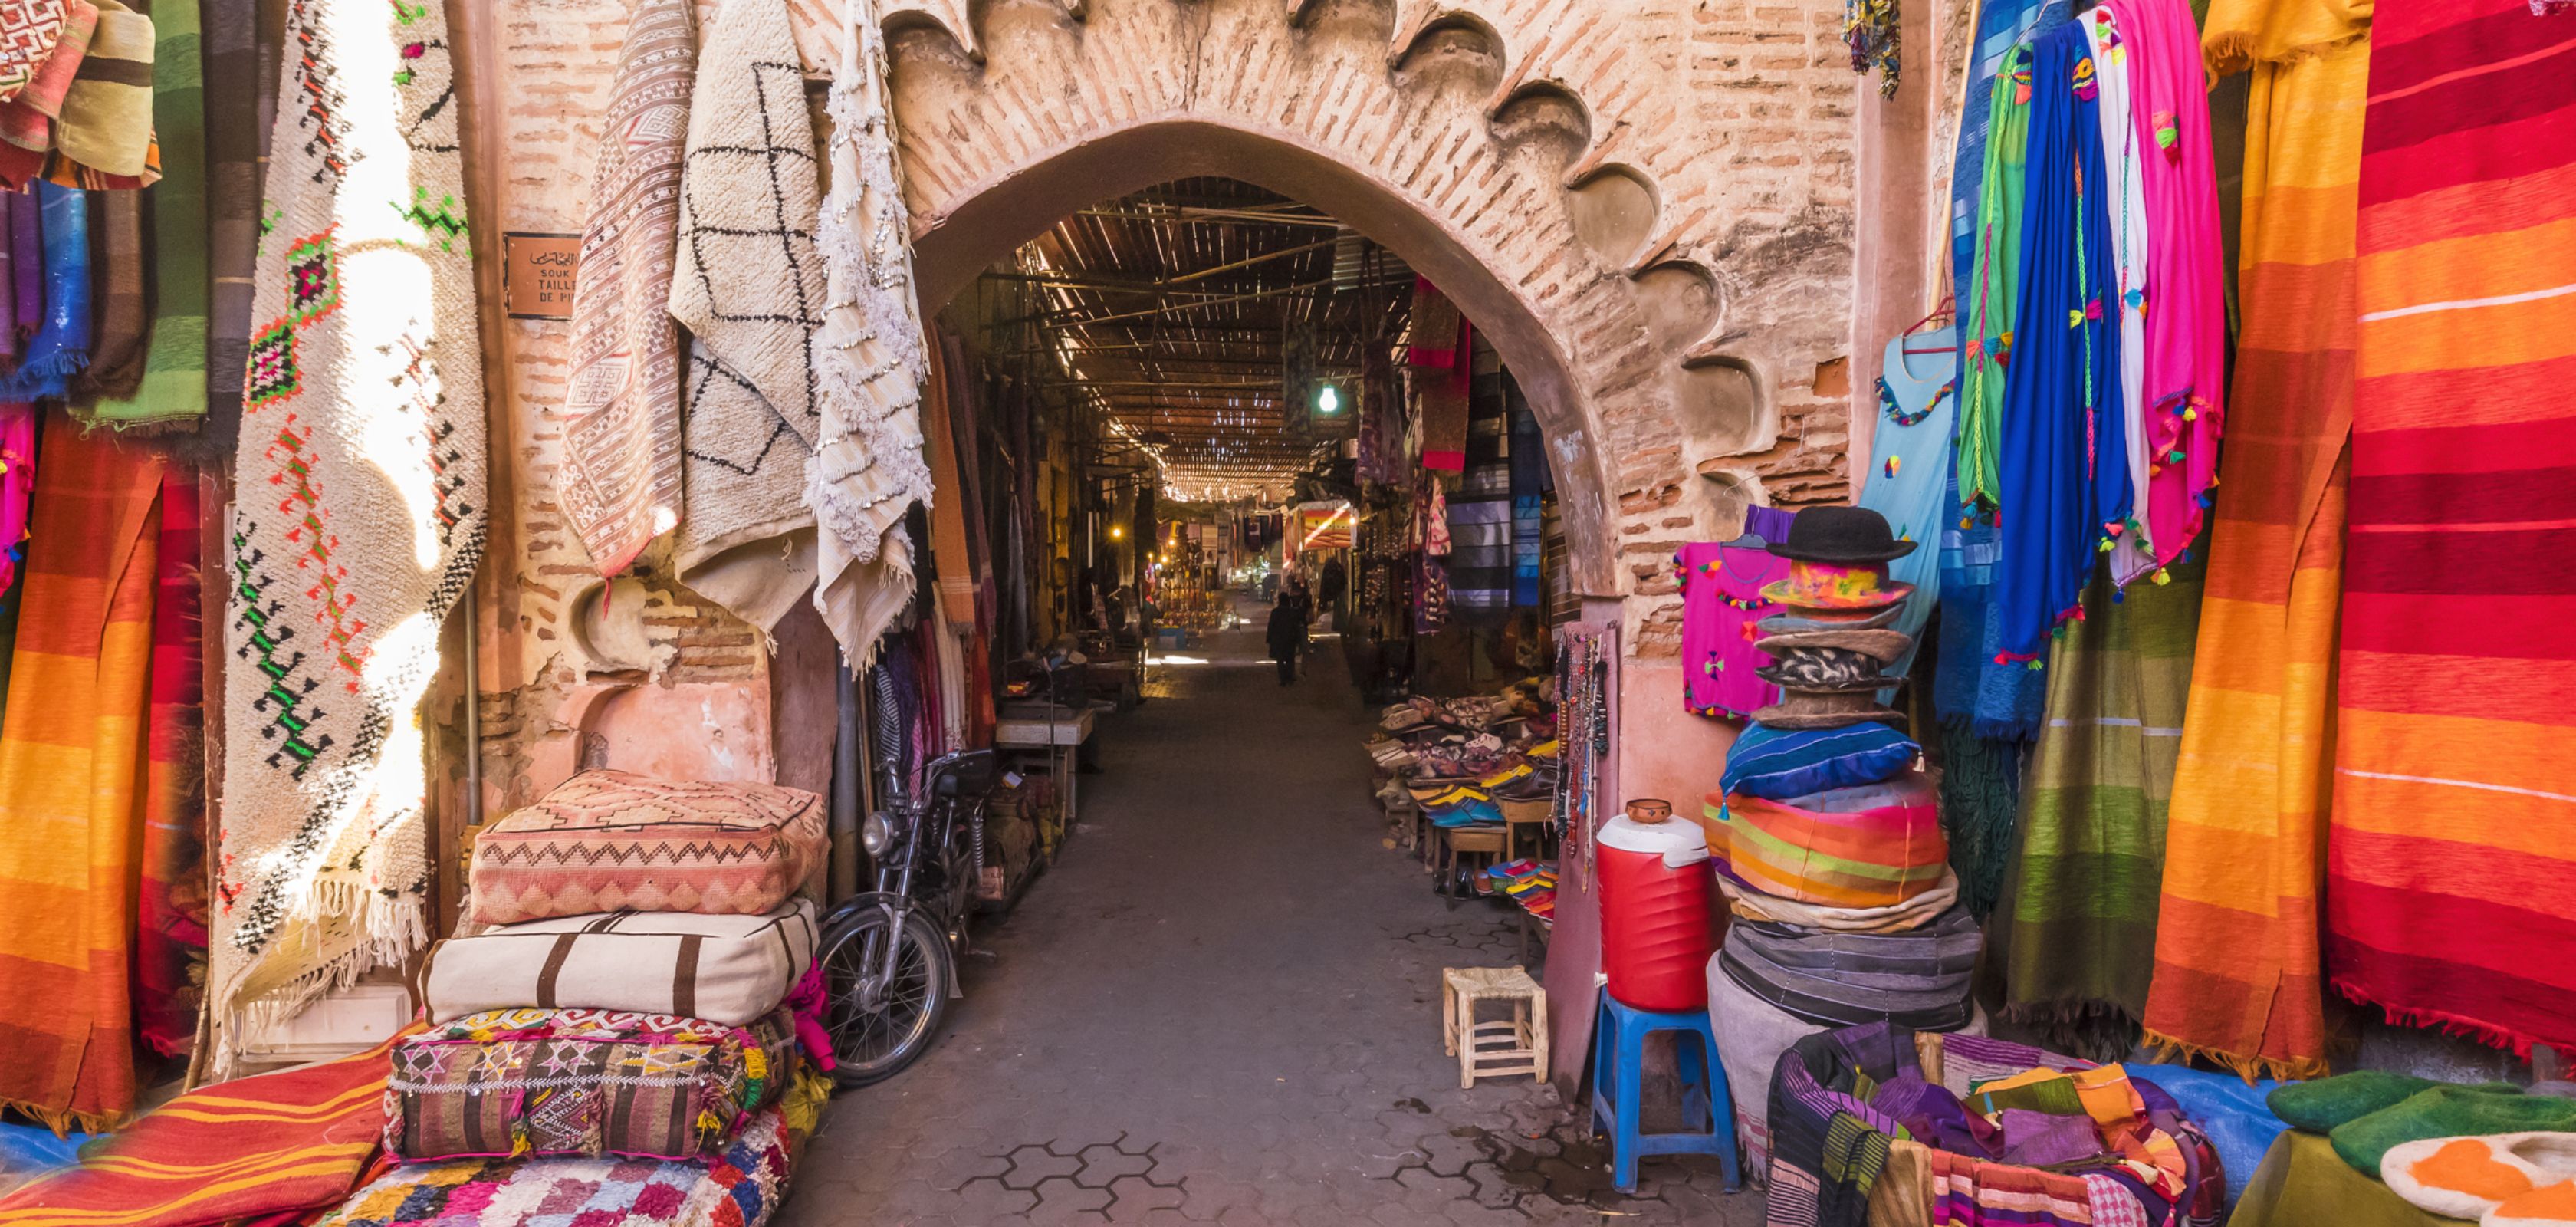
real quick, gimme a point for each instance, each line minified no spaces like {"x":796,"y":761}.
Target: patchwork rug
{"x":740,"y":1188}
{"x":360,"y":516}
{"x":2452,"y":851}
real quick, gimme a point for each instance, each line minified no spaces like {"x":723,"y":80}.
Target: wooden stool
{"x":1537,"y":817}
{"x":1456,"y":842}
{"x":1494,"y":1048}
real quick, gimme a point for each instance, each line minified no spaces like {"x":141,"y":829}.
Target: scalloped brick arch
{"x":1383,"y":113}
{"x":996,"y":218}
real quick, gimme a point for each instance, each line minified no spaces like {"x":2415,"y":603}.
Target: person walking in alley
{"x":1287,"y":636}
{"x":1300,"y":598}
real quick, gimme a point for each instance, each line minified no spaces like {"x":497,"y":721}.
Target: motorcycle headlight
{"x":876,"y":834}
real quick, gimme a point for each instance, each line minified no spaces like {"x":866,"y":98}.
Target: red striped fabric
{"x":2452,"y":850}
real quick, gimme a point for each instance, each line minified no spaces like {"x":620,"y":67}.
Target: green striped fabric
{"x":2075,"y":933}
{"x":173,"y":392}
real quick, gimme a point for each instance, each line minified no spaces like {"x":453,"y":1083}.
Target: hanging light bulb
{"x":1328,"y":401}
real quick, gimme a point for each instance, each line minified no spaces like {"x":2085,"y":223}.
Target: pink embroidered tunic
{"x":1721,"y":600}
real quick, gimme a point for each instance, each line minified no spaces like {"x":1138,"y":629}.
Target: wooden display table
{"x":1052,"y":734}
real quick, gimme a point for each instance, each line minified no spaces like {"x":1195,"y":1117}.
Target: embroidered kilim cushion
{"x":607,"y":841}
{"x":725,"y":969}
{"x":582,"y":1082}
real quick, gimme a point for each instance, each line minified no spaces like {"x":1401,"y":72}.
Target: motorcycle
{"x":890,"y":955}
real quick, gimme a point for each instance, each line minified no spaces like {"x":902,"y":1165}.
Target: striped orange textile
{"x":2237,"y":961}
{"x":257,"y":1148}
{"x":2452,"y":857}
{"x":170,"y":941}
{"x":71,"y":755}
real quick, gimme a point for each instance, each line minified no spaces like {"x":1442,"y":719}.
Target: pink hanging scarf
{"x":2186,"y":311}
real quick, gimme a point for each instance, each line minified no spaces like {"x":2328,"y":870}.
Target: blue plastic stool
{"x":1618,"y":1072}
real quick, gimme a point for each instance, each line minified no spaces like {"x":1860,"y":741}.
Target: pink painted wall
{"x":1667,"y":752}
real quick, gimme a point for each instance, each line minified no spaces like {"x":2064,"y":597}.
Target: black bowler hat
{"x":1840,"y":534}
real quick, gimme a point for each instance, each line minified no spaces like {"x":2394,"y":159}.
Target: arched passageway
{"x":990,"y":224}
{"x":1213,"y":995}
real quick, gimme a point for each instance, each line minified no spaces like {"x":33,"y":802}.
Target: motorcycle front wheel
{"x":876,"y":1034}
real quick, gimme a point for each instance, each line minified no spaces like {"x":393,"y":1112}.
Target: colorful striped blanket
{"x":2452,"y":854}
{"x":2236,"y":975}
{"x":71,"y":757}
{"x":266,"y":1146}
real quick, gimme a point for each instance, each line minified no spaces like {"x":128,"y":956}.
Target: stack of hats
{"x":642,"y":983}
{"x":1835,"y":865}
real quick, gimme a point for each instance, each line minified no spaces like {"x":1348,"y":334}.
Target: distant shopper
{"x":1287,"y":636}
{"x":1330,"y":586}
{"x":1301,"y":598}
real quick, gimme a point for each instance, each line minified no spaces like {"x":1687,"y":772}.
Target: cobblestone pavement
{"x":1220,"y":1006}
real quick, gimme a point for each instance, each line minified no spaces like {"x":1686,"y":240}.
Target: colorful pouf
{"x":615,"y":841}
{"x":1867,"y":847}
{"x":740,"y":1188}
{"x":1778,"y":763}
{"x":582,"y":1082}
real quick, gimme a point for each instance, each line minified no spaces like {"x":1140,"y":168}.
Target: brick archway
{"x":989,"y":224}
{"x":1481,"y":164}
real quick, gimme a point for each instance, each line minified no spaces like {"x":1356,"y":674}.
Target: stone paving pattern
{"x":1220,"y":1006}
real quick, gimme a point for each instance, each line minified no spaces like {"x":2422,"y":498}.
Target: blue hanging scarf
{"x":2064,"y":467}
{"x":60,"y":347}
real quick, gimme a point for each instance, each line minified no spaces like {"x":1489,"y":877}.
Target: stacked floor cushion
{"x":1782,"y":763}
{"x":725,"y":969}
{"x":1875,"y":845}
{"x":1916,"y":979}
{"x":582,"y":1082}
{"x":607,"y":841}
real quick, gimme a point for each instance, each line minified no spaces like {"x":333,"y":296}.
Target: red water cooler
{"x":1655,"y":940}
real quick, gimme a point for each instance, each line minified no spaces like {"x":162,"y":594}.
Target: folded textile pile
{"x":1994,"y":1132}
{"x":1531,"y":884}
{"x":1833,"y":860}
{"x":631,"y":1066}
{"x":83,"y":117}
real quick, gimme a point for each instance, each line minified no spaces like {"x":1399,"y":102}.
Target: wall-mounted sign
{"x":537,"y":273}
